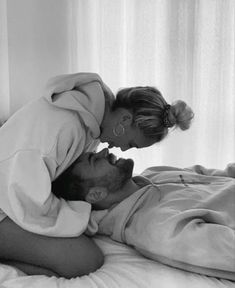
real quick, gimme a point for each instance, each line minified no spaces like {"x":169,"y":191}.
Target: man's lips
{"x":112,"y":159}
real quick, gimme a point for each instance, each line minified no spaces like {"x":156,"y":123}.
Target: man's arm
{"x":229,"y":171}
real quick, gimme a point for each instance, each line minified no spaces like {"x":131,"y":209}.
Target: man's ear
{"x":96,"y":194}
{"x":126,"y":118}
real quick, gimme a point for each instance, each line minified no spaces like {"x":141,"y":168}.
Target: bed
{"x":124,"y":267}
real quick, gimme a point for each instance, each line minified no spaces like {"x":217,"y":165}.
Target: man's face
{"x":104,"y":169}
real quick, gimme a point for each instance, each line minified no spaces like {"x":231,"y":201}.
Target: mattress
{"x":123,"y":268}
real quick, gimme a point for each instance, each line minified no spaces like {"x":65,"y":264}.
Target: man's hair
{"x":69,"y":186}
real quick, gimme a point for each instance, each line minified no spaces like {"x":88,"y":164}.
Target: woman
{"x":140,"y":117}
{"x":43,"y":139}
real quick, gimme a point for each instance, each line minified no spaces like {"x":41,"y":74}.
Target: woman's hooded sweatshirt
{"x":38,"y":143}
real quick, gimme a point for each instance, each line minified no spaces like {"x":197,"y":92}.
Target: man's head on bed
{"x":98,"y":178}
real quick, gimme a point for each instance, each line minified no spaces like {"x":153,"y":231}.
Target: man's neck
{"x":128,"y":189}
{"x":131,"y":187}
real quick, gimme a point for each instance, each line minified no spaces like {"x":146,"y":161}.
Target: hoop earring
{"x":119,"y":130}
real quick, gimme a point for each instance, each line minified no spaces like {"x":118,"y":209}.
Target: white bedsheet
{"x":123,"y":268}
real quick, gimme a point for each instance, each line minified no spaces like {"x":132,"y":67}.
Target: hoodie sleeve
{"x":68,"y":82}
{"x":83,"y":93}
{"x":45,"y":214}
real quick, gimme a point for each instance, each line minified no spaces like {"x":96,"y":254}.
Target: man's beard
{"x":115,"y":180}
{"x":125,"y":170}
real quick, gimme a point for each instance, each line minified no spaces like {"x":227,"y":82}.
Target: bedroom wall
{"x":33,"y":32}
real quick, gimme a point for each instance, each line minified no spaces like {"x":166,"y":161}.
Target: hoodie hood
{"x":82,"y":93}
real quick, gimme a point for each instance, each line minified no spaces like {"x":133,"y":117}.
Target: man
{"x":98,"y":178}
{"x":181,"y":217}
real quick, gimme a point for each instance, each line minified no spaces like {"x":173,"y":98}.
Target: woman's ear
{"x":96,"y":194}
{"x":126,"y":118}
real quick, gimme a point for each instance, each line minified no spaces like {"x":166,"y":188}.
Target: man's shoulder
{"x":154,"y":170}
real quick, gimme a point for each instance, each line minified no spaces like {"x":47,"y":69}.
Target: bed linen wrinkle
{"x":119,"y":258}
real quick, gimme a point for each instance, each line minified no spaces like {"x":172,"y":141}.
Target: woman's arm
{"x":30,"y":269}
{"x":37,"y":254}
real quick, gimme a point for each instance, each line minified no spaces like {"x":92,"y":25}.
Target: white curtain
{"x":4,"y":72}
{"x":186,"y":48}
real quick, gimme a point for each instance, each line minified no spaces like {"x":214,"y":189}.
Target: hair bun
{"x":180,"y":115}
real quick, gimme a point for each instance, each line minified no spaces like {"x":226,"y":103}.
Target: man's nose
{"x":102,"y":153}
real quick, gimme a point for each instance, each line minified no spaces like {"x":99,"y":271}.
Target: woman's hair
{"x":151,"y":113}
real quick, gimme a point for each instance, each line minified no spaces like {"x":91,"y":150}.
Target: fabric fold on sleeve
{"x":30,"y":203}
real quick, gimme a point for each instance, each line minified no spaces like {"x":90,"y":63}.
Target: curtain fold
{"x":4,"y":71}
{"x":184,"y":48}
